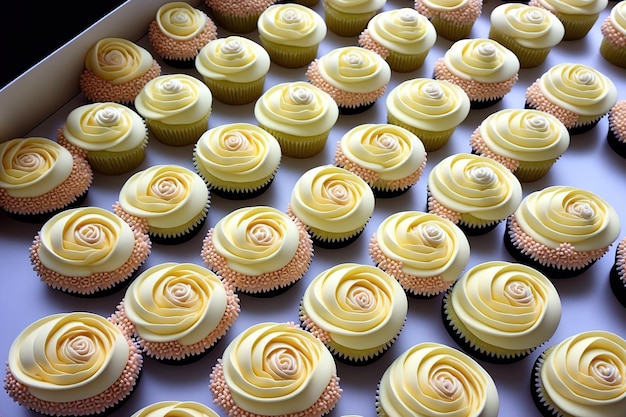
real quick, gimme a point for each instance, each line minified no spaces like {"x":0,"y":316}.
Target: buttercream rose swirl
{"x":430,"y":100}
{"x":403,"y":26}
{"x":334,"y":193}
{"x":180,"y":21}
{"x":523,"y":131}
{"x":169,"y":94}
{"x":118,"y":60}
{"x":233,"y":149}
{"x":288,"y":23}
{"x":527,"y":22}
{"x":296,"y":102}
{"x":446,"y":5}
{"x":479,"y":58}
{"x":575,"y":83}
{"x":231,"y":55}
{"x":378,"y":146}
{"x":175,"y":409}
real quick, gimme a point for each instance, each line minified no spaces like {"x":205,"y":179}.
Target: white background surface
{"x":587,"y":300}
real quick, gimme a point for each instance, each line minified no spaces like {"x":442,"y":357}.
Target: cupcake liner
{"x":236,"y":23}
{"x":618,"y":287}
{"x":452,"y":31}
{"x":329,"y":240}
{"x":614,"y":54}
{"x":576,"y":26}
{"x":178,"y":135}
{"x":298,"y":146}
{"x":529,"y":171}
{"x":179,"y":234}
{"x":235,"y":93}
{"x":115,"y":163}
{"x":289,"y":56}
{"x":617,"y":145}
{"x":431,"y":140}
{"x":345,"y":24}
{"x":405,"y":63}
{"x":539,"y":399}
{"x":528,"y":57}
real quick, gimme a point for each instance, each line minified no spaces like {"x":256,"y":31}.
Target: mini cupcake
{"x":582,"y":375}
{"x":576,"y":94}
{"x":259,"y":250}
{"x":334,"y":205}
{"x":116,"y":70}
{"x":113,"y":135}
{"x":616,"y":135}
{"x":500,"y":312}
{"x":402,"y":37}
{"x":424,"y":252}
{"x":291,"y":34}
{"x":453,"y":20}
{"x":617,"y":275}
{"x":486,"y":70}
{"x":431,"y":109}
{"x":234,"y":68}
{"x":561,"y":230}
{"x":354,"y":77}
{"x":299,"y":374}
{"x":237,"y":160}
{"x":430,"y":379}
{"x":174,"y":408}
{"x":39,"y":178}
{"x":170,"y":201}
{"x":474,"y":192}
{"x":528,"y":142}
{"x":177,"y":312}
{"x":299,"y":115}
{"x":388,"y":157}
{"x":88,"y":251}
{"x":349,"y":17}
{"x":613,"y":29}
{"x":93,"y":373}
{"x":176,"y":108}
{"x":357,"y":311}
{"x":527,"y":31}
{"x":238,"y":16}
{"x":578,"y":17}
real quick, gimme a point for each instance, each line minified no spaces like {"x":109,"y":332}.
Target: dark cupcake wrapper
{"x":535,"y":389}
{"x":335,"y":243}
{"x":241,"y":194}
{"x":617,"y":286}
{"x":187,"y":360}
{"x":617,"y":145}
{"x":174,"y":240}
{"x":355,"y":110}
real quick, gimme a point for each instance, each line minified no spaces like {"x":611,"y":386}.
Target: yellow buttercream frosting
{"x":445,"y":5}
{"x":354,"y":69}
{"x":175,"y":409}
{"x":530,"y":26}
{"x":233,"y":58}
{"x":292,"y":24}
{"x":118,"y":60}
{"x":618,"y":17}
{"x":180,"y":21}
{"x":575,"y":7}
{"x":403,"y":30}
{"x":481,"y":59}
{"x":356,"y":6}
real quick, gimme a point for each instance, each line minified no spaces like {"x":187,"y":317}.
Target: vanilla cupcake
{"x":431,"y":109}
{"x":349,"y":17}
{"x":578,"y":17}
{"x":424,"y":252}
{"x":238,"y":16}
{"x":174,"y":408}
{"x":613,"y":29}
{"x":357,"y":311}
{"x":291,"y":34}
{"x":403,"y":37}
{"x":528,"y":142}
{"x":453,"y":19}
{"x":486,"y":70}
{"x":389,"y":158}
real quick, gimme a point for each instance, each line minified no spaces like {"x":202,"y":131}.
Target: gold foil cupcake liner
{"x":345,"y":24}
{"x":299,"y":146}
{"x":178,"y":135}
{"x":528,"y":57}
{"x":235,"y":93}
{"x":289,"y":56}
{"x":430,"y":139}
{"x":115,"y":163}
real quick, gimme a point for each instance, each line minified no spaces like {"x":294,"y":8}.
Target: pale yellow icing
{"x":118,"y":60}
{"x":530,"y":26}
{"x":234,"y":58}
{"x":559,"y":213}
{"x":578,"y":88}
{"x":354,"y":69}
{"x":175,"y":409}
{"x":431,"y":379}
{"x":524,"y":134}
{"x":403,"y":30}
{"x":33,"y":166}
{"x":275,"y":369}
{"x":104,"y":126}
{"x":585,"y":374}
{"x":356,"y":6}
{"x":68,"y":356}
{"x":297,"y":108}
{"x":165,"y":195}
{"x":256,"y":240}
{"x":618,"y":17}
{"x":427,"y":104}
{"x":238,"y":153}
{"x":291,"y":24}
{"x":180,"y":21}
{"x":481,"y":59}
{"x":476,"y":185}
{"x":581,"y":7}
{"x":445,"y":5}
{"x":332,"y":199}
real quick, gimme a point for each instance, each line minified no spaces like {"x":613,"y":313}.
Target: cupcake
{"x":431,"y":109}
{"x":424,"y":252}
{"x":113,"y":135}
{"x":275,"y":369}
{"x":349,"y":17}
{"x":39,"y":178}
{"x":561,"y":230}
{"x":528,"y":142}
{"x":617,"y":275}
{"x":357,"y":311}
{"x":175,"y":408}
{"x":88,"y":251}
{"x":238,"y":16}
{"x":616,"y":134}
{"x":578,"y":17}
{"x":583,"y":375}
{"x":116,"y":70}
{"x":430,"y":379}
{"x":176,"y":108}
{"x":576,"y":94}
{"x":486,"y":70}
{"x":177,"y":311}
{"x":402,"y":37}
{"x":234,"y":68}
{"x":169,"y":201}
{"x":354,"y":77}
{"x":299,"y":115}
{"x":454,"y":19}
{"x":291,"y":34}
{"x":500,"y":312}
{"x":388,"y":157}
{"x":94,"y":373}
{"x":237,"y":160}
{"x":259,"y":250}
{"x":334,"y":205}
{"x":613,"y":30}
{"x":474,"y":192}
{"x":527,"y":31}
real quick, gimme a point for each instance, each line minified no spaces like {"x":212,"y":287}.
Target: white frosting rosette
{"x":356,"y":6}
{"x":483,"y":60}
{"x":291,"y":24}
{"x":531,"y":27}
{"x":445,"y":5}
{"x":574,"y":7}
{"x":118,"y":60}
{"x":175,"y":409}
{"x":233,"y":58}
{"x":403,"y":30}
{"x":180,"y":21}
{"x":354,"y":69}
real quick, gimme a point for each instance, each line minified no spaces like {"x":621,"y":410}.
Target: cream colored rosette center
{"x":118,"y":60}
{"x":175,"y":409}
{"x":180,"y":21}
{"x":354,"y":69}
{"x":292,"y":24}
{"x":276,"y":369}
{"x":234,"y":58}
{"x":531,"y":27}
{"x":483,"y":60}
{"x":68,"y":357}
{"x":403,"y":30}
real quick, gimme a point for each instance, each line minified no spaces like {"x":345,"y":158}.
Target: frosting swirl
{"x":445,"y":5}
{"x":234,"y":58}
{"x":575,"y":7}
{"x":118,"y":60}
{"x":175,"y":409}
{"x":292,"y":24}
{"x":617,"y":17}
{"x":483,"y":60}
{"x":180,"y":21}
{"x":432,"y":379}
{"x":354,"y":69}
{"x":356,"y":6}
{"x":403,"y":30}
{"x":530,"y":26}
